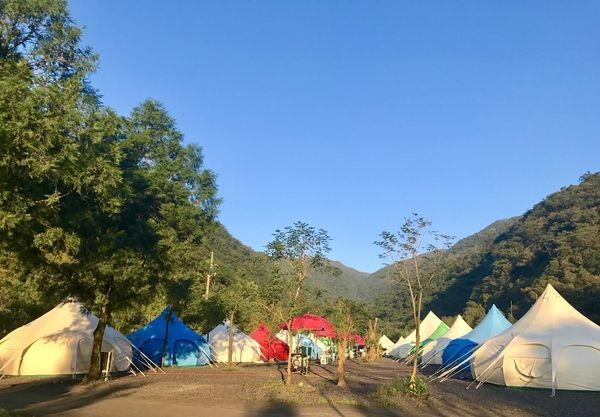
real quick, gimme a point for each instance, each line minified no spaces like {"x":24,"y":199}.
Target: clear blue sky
{"x":351,"y":115}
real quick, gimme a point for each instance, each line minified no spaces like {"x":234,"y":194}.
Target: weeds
{"x":387,"y":394}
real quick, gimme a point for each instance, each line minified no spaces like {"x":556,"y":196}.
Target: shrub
{"x":403,"y":386}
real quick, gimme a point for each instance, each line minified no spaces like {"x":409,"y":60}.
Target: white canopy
{"x":403,"y":347}
{"x":432,"y":352}
{"x":551,"y":346}
{"x":245,"y":348}
{"x":385,"y":342}
{"x":60,"y":343}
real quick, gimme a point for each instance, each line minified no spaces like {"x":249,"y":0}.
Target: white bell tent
{"x":552,"y":346}
{"x":60,"y":343}
{"x":385,"y":342}
{"x":428,"y":325}
{"x":432,"y":352}
{"x":245,"y":348}
{"x":393,"y":346}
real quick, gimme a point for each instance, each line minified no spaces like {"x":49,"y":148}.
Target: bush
{"x":403,"y":386}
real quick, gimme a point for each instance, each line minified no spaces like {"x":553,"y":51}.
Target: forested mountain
{"x":453,"y":287}
{"x":511,"y":261}
{"x":557,"y":242}
{"x":350,"y":283}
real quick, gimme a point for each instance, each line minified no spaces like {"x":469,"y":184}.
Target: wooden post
{"x":209,"y":276}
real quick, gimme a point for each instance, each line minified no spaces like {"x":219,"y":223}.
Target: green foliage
{"x":416,"y":388}
{"x":91,"y":203}
{"x":554,"y":242}
{"x":42,"y":33}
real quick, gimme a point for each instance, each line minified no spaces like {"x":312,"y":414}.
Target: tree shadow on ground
{"x":54,"y":396}
{"x":273,"y":409}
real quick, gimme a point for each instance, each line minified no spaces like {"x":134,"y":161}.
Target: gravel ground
{"x":257,"y":390}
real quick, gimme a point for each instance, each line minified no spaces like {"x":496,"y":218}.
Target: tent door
{"x":186,"y":353}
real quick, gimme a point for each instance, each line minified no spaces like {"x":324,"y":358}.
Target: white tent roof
{"x":432,"y":352}
{"x":551,"y":346}
{"x":245,"y":348}
{"x":60,"y":343}
{"x":385,"y":342}
{"x":394,"y":345}
{"x":428,"y":325}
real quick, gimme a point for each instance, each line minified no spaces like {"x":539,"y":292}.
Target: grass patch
{"x":389,"y":394}
{"x":5,"y":413}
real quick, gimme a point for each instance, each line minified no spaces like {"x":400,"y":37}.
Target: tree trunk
{"x":342,"y":343}
{"x":372,"y":342}
{"x":94,"y":371}
{"x":413,"y":374}
{"x":230,"y":347}
{"x":290,"y":337}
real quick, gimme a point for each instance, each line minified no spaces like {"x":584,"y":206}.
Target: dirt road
{"x":256,"y":390}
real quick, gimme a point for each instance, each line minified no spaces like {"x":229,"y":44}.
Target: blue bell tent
{"x":183,"y":347}
{"x":459,"y":350}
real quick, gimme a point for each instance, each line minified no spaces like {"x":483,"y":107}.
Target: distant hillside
{"x":558,"y":242}
{"x":507,"y":263}
{"x":453,"y":287}
{"x":510,"y":262}
{"x":349,"y":284}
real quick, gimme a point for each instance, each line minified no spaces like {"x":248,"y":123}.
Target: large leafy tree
{"x":51,"y":130}
{"x":92,"y":204}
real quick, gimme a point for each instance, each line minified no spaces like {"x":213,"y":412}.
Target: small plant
{"x":416,"y":388}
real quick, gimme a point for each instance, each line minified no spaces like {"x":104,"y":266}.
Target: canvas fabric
{"x":552,"y":346}
{"x":60,"y":343}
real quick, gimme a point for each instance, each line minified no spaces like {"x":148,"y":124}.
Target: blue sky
{"x":351,"y":115}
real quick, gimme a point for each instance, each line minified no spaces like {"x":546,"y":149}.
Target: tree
{"x":302,"y":249}
{"x":347,"y":318}
{"x":166,"y":202}
{"x":372,"y":340}
{"x":238,"y":298}
{"x":402,"y":250}
{"x":92,"y":203}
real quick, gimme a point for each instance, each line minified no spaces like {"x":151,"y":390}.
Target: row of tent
{"x":552,"y":346}
{"x":60,"y":343}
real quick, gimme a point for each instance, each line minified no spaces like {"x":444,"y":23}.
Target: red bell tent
{"x":358,"y":339}
{"x":270,"y":346}
{"x":308,"y":322}
{"x":330,"y":333}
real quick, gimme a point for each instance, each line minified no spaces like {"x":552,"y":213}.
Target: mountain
{"x":510,"y":262}
{"x":453,"y":287}
{"x":350,"y":283}
{"x":507,"y":263}
{"x":557,"y":242}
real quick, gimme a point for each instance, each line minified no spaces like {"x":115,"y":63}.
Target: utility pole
{"x":209,"y":275}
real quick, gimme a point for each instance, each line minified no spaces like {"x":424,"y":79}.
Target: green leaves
{"x":42,"y":33}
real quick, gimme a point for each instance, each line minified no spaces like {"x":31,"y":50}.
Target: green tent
{"x":439,"y":332}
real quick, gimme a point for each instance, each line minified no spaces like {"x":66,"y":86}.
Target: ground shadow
{"x":273,"y":409}
{"x":53,"y":396}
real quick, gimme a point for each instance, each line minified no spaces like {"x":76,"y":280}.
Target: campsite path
{"x":255,"y":390}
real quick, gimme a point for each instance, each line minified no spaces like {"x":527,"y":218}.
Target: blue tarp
{"x":308,"y":342}
{"x":184,"y":346}
{"x":458,"y":350}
